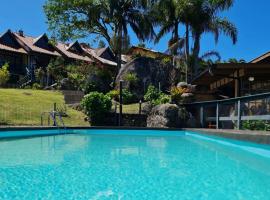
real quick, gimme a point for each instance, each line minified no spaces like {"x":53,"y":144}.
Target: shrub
{"x":36,"y":86}
{"x":96,"y":106}
{"x":131,"y":78}
{"x":98,"y":80}
{"x":176,"y":93}
{"x":128,"y":97}
{"x":114,"y":94}
{"x":156,"y":97}
{"x":76,"y":80}
{"x":256,"y":125}
{"x":152,"y":93}
{"x":4,"y":75}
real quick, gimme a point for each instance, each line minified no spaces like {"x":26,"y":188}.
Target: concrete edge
{"x":259,"y":137}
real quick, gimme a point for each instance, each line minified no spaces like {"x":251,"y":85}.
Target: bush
{"x":128,"y":97}
{"x":114,"y":94}
{"x":156,"y":97}
{"x":163,"y":99}
{"x":176,"y":93}
{"x":152,"y":93}
{"x":36,"y":86}
{"x":4,"y":75}
{"x":256,"y":125}
{"x":96,"y":106}
{"x":98,"y":80}
{"x":132,"y":79}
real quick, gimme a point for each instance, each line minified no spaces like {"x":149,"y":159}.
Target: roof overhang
{"x":217,"y":72}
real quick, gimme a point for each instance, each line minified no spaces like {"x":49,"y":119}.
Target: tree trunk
{"x":196,"y":52}
{"x":176,"y":37}
{"x":187,"y":51}
{"x":119,"y":54}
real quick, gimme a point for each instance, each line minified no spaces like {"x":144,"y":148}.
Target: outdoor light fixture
{"x":251,"y":78}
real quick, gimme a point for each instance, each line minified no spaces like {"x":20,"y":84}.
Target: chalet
{"x":11,"y":51}
{"x":103,"y":56}
{"x":228,"y":80}
{"x":24,"y":53}
{"x":72,"y":52}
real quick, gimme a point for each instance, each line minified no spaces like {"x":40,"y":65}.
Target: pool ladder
{"x":54,"y":115}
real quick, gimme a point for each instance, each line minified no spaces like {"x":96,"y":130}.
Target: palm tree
{"x":128,"y":13}
{"x":168,"y":19}
{"x":207,"y":20}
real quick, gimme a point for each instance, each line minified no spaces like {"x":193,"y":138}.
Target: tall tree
{"x":106,"y":18}
{"x":207,"y":20}
{"x":168,"y":19}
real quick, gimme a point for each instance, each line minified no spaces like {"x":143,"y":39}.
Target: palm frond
{"x":210,"y":54}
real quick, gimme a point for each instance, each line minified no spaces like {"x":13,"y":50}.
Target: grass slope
{"x":24,"y":107}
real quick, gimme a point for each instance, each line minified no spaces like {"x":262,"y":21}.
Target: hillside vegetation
{"x":24,"y":107}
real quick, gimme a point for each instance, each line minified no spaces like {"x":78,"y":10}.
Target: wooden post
{"x":120,"y":102}
{"x":202,"y":116}
{"x":54,"y":114}
{"x":140,"y":107}
{"x":217,"y":116}
{"x":239,"y":115}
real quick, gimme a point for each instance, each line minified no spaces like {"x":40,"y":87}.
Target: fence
{"x":232,"y":113}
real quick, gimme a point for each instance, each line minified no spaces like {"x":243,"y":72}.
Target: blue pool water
{"x":150,"y":165}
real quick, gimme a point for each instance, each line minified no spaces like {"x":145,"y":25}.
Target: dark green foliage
{"x":98,"y":80}
{"x":114,"y":94}
{"x":128,"y":97}
{"x":4,"y":74}
{"x":96,"y":106}
{"x":152,"y":93}
{"x":156,"y":97}
{"x":256,"y":125}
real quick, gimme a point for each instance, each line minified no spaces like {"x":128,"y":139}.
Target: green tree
{"x":198,"y":17}
{"x":207,"y":20}
{"x":106,"y":18}
{"x":4,"y":75}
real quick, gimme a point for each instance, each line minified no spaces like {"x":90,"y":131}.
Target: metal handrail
{"x":231,"y":100}
{"x":52,"y":115}
{"x":238,"y":107}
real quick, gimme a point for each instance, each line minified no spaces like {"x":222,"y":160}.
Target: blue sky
{"x":251,"y":18}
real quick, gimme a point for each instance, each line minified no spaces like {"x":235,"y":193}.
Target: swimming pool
{"x":130,"y":164}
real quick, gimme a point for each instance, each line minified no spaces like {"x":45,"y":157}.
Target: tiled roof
{"x":63,"y":48}
{"x":95,"y":53}
{"x":12,"y":49}
{"x":30,"y":43}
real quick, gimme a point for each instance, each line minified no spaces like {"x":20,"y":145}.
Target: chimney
{"x":21,"y":32}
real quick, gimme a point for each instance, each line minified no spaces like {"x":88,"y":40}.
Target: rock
{"x":149,"y":71}
{"x":146,"y":108}
{"x":191,"y":88}
{"x":182,"y":85}
{"x":186,"y":95}
{"x":167,"y":116}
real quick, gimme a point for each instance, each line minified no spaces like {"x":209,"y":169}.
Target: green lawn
{"x":131,"y":108}
{"x":24,"y":107}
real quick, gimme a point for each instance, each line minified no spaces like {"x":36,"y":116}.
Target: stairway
{"x":28,"y":78}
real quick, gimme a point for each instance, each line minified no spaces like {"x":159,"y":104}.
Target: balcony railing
{"x":232,"y":111}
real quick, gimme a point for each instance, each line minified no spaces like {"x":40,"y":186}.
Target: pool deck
{"x":261,"y":137}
